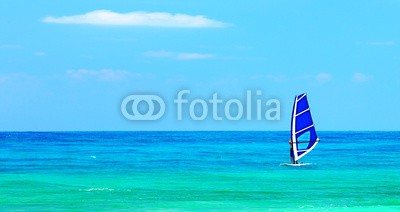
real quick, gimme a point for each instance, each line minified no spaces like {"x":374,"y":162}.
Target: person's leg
{"x":291,"y":156}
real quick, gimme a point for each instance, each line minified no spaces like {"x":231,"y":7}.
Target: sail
{"x":302,"y":123}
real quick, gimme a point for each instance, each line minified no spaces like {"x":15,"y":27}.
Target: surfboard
{"x":298,"y":164}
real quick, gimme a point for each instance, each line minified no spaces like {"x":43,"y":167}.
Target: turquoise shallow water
{"x":150,"y":171}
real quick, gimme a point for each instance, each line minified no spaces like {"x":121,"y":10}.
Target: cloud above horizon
{"x":323,"y":77}
{"x":178,"y":56}
{"x":271,"y":77}
{"x":39,"y":53}
{"x":137,"y":18}
{"x":15,"y":78}
{"x":103,"y":74}
{"x":360,"y":77}
{"x":279,"y":78}
{"x":382,"y":43}
{"x":319,"y":78}
{"x":10,"y":46}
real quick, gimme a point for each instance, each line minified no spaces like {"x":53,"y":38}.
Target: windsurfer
{"x":291,"y":152}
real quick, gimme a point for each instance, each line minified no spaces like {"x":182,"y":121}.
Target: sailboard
{"x":296,"y":164}
{"x":303,"y":135}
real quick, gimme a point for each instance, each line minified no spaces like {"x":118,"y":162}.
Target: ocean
{"x":197,"y":171}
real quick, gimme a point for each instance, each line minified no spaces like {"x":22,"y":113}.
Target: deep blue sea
{"x":191,"y":171}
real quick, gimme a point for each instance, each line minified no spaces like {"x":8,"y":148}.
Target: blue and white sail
{"x":302,"y":123}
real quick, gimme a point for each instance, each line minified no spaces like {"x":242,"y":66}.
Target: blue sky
{"x":67,"y":66}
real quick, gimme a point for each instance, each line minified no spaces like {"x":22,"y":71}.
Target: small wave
{"x":99,"y":189}
{"x":93,"y":156}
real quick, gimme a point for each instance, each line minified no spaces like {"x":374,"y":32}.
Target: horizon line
{"x":42,"y":131}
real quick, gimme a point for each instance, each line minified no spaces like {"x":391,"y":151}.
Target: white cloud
{"x":193,"y":56}
{"x":323,"y":77}
{"x":314,"y":78}
{"x":10,"y":46}
{"x":104,"y":74}
{"x":39,"y":53}
{"x":271,"y":77}
{"x":179,"y":56}
{"x":360,"y":77}
{"x":161,"y":54}
{"x":156,"y":19}
{"x":382,"y":43}
{"x":320,"y":77}
{"x":15,"y":77}
{"x":3,"y":79}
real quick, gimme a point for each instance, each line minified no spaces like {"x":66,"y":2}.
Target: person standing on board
{"x":291,"y":152}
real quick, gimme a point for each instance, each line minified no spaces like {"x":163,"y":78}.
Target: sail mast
{"x":293,"y":129}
